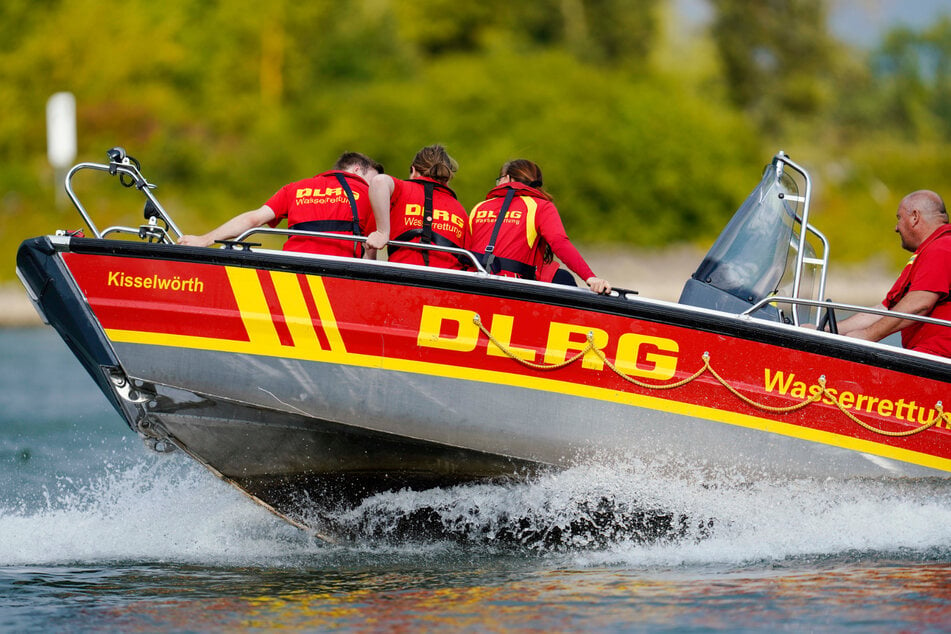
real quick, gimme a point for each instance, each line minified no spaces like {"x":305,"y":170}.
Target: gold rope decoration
{"x":653,"y":386}
{"x":939,"y":415}
{"x":823,"y":392}
{"x":538,"y":366}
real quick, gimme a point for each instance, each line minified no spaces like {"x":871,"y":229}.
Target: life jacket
{"x":497,"y":265}
{"x":338,"y":226}
{"x":425,"y":233}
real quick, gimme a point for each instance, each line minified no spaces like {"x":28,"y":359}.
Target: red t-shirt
{"x":929,"y":269}
{"x":321,"y":204}
{"x":531,"y":221}
{"x":450,"y":224}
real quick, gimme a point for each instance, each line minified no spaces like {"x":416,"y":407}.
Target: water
{"x":99,"y":534}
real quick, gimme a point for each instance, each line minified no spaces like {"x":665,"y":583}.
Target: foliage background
{"x":649,"y":135}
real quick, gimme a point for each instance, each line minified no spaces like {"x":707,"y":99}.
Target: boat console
{"x":767,"y":250}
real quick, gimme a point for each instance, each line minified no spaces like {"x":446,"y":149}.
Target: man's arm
{"x":381,"y":189}
{"x":858,"y":321}
{"x":231,"y":229}
{"x":913,"y":303}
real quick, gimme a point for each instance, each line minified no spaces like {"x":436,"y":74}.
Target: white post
{"x":61,"y":138}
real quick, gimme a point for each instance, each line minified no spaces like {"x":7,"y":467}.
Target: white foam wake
{"x":162,"y":509}
{"x":166,"y":509}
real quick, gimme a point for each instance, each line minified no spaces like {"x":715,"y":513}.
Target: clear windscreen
{"x":749,"y":258}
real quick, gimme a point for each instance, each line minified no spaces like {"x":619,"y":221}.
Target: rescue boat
{"x":312,"y":382}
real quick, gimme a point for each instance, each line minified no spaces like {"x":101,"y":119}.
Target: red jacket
{"x":929,"y":269}
{"x":320,"y":203}
{"x":531,"y":221}
{"x":449,"y":225}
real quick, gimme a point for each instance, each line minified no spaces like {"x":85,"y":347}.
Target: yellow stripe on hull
{"x":341,"y":357}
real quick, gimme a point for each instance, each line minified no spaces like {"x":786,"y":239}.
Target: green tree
{"x":914,"y":68}
{"x":601,"y":31}
{"x":224,"y":102}
{"x":776,"y":56}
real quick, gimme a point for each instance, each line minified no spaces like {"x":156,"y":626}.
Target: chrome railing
{"x":821,"y":263}
{"x":127,"y":169}
{"x":832,"y":306}
{"x":129,"y":173}
{"x":463,"y":253}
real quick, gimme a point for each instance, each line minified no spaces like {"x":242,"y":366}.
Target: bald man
{"x":924,"y":286}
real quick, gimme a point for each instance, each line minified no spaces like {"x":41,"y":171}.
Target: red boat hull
{"x":271,"y":367}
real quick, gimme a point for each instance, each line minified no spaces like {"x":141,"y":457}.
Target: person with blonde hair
{"x":517,"y":230}
{"x":422,"y":209}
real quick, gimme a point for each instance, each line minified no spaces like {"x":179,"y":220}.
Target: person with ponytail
{"x":422,"y":209}
{"x":517,"y":230}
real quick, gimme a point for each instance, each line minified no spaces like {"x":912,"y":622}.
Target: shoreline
{"x":658,"y":274}
{"x":16,"y":311}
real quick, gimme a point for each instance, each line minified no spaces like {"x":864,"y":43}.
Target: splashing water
{"x":636,"y":514}
{"x":166,"y":509}
{"x":160,"y":509}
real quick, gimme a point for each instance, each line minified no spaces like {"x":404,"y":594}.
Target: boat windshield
{"x":749,"y":258}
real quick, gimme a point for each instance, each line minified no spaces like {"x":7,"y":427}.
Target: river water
{"x":97,"y":533}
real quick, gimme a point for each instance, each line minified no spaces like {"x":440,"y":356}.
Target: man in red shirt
{"x":924,"y":286}
{"x":336,"y":201}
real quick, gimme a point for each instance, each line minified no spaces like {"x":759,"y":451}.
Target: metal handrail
{"x":824,"y":263}
{"x":804,"y":221}
{"x":779,"y":299}
{"x":117,"y":168}
{"x":142,"y":231}
{"x":362,"y":239}
{"x":804,"y":229}
{"x":120,"y":165}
